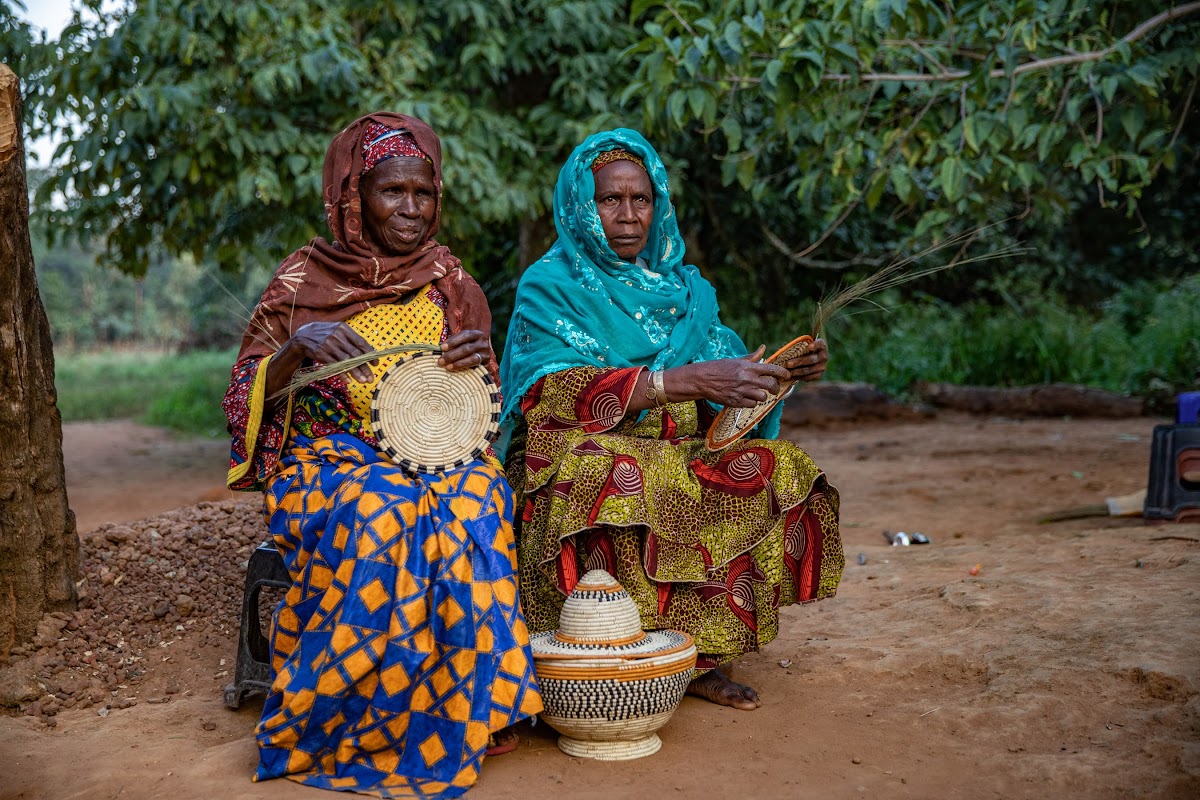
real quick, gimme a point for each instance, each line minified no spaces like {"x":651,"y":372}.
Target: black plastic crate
{"x":1168,"y":495}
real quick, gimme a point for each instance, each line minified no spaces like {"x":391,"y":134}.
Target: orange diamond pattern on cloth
{"x":400,"y":645}
{"x":450,"y":612}
{"x":373,"y":595}
{"x":432,"y":750}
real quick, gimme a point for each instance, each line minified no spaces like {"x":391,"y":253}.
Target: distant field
{"x":182,"y":392}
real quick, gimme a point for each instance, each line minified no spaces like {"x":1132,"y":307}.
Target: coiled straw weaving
{"x":732,"y":424}
{"x":428,"y":419}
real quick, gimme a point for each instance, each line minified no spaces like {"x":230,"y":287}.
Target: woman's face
{"x":625,"y":200}
{"x":399,"y":204}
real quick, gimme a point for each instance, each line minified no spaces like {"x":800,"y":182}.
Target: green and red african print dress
{"x":712,"y":543}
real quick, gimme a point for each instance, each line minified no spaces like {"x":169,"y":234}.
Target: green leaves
{"x":918,"y":105}
{"x":971,"y":132}
{"x":224,"y":111}
{"x":1133,"y":120}
{"x":843,"y":122}
{"x":732,"y":38}
{"x":733,"y":133}
{"x":952,"y":178}
{"x":902,"y":183}
{"x":745,"y":171}
{"x":880,"y":12}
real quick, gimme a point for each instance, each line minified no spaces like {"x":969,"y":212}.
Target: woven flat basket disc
{"x":428,"y":419}
{"x":732,"y":424}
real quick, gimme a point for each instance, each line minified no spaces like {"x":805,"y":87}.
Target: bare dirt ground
{"x":121,"y":471}
{"x":1068,"y":667}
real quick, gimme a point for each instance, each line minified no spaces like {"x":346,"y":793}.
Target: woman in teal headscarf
{"x":615,"y":364}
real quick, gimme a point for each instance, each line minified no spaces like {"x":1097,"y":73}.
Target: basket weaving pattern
{"x":428,"y":419}
{"x":600,"y":614}
{"x":607,"y":685}
{"x":732,"y":424}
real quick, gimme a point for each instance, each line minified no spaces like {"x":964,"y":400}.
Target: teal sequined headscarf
{"x":582,"y":305}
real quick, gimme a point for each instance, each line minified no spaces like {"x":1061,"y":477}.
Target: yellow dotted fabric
{"x":418,"y":320}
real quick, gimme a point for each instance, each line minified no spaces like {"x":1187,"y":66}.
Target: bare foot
{"x":503,"y":741}
{"x":716,"y":687}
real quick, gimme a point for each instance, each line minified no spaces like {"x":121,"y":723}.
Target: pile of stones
{"x":143,"y":586}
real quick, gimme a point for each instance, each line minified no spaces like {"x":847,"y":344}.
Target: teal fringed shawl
{"x":581,"y":305}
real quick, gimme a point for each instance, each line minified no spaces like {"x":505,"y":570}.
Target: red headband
{"x":381,"y":142}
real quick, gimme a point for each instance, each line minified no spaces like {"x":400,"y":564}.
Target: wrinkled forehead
{"x":398,"y":169}
{"x":622,"y":174}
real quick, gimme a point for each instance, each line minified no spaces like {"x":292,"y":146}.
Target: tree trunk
{"x":1048,"y":400}
{"x":534,"y":237}
{"x":39,"y":548}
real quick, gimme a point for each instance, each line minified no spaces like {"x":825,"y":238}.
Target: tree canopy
{"x":920,"y":116}
{"x":803,"y":136}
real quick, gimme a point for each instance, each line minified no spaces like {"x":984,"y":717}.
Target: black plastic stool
{"x":1168,"y":495}
{"x":253,"y":671}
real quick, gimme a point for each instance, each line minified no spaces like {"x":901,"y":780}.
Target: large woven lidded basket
{"x":607,"y":685}
{"x":429,"y":419}
{"x":732,"y":424}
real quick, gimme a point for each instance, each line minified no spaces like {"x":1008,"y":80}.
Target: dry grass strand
{"x":304,"y":377}
{"x":894,"y":275}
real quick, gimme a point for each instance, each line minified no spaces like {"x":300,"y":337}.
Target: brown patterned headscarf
{"x":332,"y":281}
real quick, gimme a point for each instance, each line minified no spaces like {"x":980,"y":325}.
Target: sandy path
{"x":119,"y":471}
{"x":1063,"y":669}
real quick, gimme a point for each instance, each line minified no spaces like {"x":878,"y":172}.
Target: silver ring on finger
{"x":478,"y":359}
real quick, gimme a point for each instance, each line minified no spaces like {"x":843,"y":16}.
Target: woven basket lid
{"x":547,"y":645}
{"x":732,"y":424}
{"x":599,"y":610}
{"x":429,"y":419}
{"x":600,"y":619}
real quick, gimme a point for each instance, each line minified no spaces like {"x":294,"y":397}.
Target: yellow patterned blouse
{"x":418,"y":320}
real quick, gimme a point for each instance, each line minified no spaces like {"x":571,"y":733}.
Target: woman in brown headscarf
{"x":400,"y":654}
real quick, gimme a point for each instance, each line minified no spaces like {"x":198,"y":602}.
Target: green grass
{"x":181,"y":392}
{"x":1144,"y":341}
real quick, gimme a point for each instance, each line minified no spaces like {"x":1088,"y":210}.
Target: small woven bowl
{"x":732,"y":424}
{"x":428,"y":419}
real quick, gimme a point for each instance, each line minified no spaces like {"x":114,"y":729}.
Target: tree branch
{"x":824,"y":263}
{"x":691,"y":31}
{"x":1141,"y":31}
{"x":801,"y":256}
{"x":782,"y":246}
{"x":928,"y":56}
{"x":1187,"y":105}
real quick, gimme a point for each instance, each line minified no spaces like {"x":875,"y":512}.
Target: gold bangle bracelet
{"x":651,"y":389}
{"x":660,"y":387}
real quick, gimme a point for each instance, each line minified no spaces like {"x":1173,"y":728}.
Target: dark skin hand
{"x":734,"y":382}
{"x":328,"y":342}
{"x":810,"y":366}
